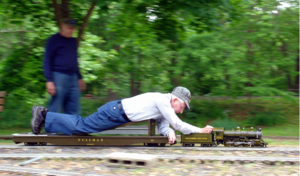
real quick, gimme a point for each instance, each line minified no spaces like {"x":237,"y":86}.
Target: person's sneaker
{"x":37,"y":121}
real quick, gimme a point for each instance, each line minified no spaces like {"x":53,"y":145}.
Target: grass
{"x":281,"y":130}
{"x":280,"y":142}
{"x":6,"y":142}
{"x":12,"y":131}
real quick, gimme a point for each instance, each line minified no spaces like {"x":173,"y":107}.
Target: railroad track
{"x":278,"y":151}
{"x":164,"y":158}
{"x":26,"y":170}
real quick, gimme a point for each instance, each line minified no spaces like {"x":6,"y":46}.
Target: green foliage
{"x":90,"y":106}
{"x":282,"y":130}
{"x":16,"y":114}
{"x":266,"y":118}
{"x":203,"y":111}
{"x":233,"y":112}
{"x":230,"y":48}
{"x":227,"y":123}
{"x":216,"y":48}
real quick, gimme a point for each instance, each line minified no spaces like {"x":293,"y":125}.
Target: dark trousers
{"x":106,"y":117}
{"x":67,"y":94}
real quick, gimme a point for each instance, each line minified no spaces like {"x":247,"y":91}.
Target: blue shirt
{"x":61,"y":56}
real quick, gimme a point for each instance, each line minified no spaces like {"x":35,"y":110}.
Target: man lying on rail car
{"x":158,"y":106}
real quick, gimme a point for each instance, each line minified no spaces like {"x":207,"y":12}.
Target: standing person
{"x":152,"y":105}
{"x":64,"y":81}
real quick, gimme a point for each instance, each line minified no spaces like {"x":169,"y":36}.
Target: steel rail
{"x":196,"y":148}
{"x":21,"y":169}
{"x":169,"y":157}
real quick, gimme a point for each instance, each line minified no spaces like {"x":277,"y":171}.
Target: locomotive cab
{"x":219,"y":133}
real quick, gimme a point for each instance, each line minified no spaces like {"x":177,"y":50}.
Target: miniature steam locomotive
{"x":231,"y":138}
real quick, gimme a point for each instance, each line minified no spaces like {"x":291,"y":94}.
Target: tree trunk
{"x":227,"y":77}
{"x":289,"y":81}
{"x":249,"y":75}
{"x":21,"y":38}
{"x":134,"y":86}
{"x":248,"y":57}
{"x":65,"y":11}
{"x":85,"y":22}
{"x":288,"y":76}
{"x":297,"y":77}
{"x":111,"y":94}
{"x":174,"y":80}
{"x":56,"y":11}
{"x":135,"y":80}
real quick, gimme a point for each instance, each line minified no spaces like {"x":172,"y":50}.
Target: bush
{"x":16,"y":114}
{"x":263,"y":112}
{"x":218,"y":113}
{"x":203,"y":111}
{"x":227,"y":123}
{"x":90,"y":106}
{"x":266,"y":118}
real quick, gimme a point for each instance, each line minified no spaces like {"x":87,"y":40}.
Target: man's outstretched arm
{"x":165,"y":130}
{"x":168,"y":113}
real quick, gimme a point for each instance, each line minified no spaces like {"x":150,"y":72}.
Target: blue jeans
{"x":67,"y":94}
{"x":107,"y":116}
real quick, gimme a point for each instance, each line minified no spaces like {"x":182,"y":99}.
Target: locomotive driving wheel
{"x":235,"y":143}
{"x":226,"y":143}
{"x":245,"y":140}
{"x":252,"y":143}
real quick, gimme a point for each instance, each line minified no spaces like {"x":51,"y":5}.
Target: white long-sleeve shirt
{"x":156,"y":106}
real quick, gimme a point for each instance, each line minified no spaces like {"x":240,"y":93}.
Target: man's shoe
{"x":37,"y":121}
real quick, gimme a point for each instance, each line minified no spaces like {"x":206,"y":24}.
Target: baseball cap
{"x":69,"y":21}
{"x":184,"y":94}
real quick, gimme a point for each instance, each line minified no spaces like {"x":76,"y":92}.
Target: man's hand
{"x":51,"y":88}
{"x":81,"y":84}
{"x":172,"y":137}
{"x":207,"y":129}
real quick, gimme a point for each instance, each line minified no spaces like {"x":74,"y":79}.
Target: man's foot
{"x":37,"y":121}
